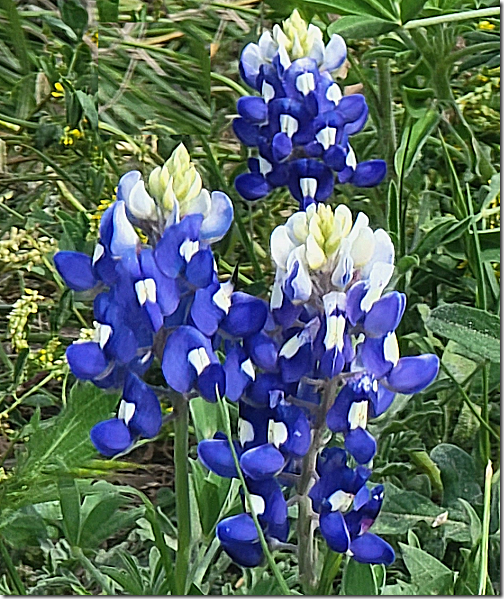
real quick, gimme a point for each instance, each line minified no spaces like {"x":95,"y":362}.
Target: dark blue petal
{"x":147,"y":419}
{"x":76,"y":269}
{"x":246,"y":315}
{"x":306,"y":168}
{"x":334,"y":531}
{"x":239,"y":539}
{"x":352,"y":108}
{"x":216,"y":455}
{"x":179,"y":373}
{"x":385,"y":314}
{"x":248,"y":133}
{"x":382,"y":402}
{"x":259,"y":391}
{"x":335,"y":158}
{"x":167,"y":252}
{"x":370,"y":173}
{"x":337,"y":416}
{"x":373,"y":357}
{"x":355,"y":295}
{"x":86,"y":360}
{"x":200,"y":270}
{"x":252,"y":109}
{"x":263,"y":350}
{"x":371,"y":549}
{"x":204,"y":313}
{"x":122,"y":345}
{"x":298,"y":429}
{"x":361,"y":445}
{"x":262,"y":462}
{"x":332,"y":363}
{"x":236,"y":379}
{"x":413,"y":373}
{"x":281,"y":146}
{"x":252,"y":186}
{"x":111,"y":437}
{"x":212,"y":381}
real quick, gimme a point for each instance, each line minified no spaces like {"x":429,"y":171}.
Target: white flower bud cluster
{"x":321,"y":250}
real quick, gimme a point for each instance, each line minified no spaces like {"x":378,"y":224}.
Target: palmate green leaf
{"x":63,"y":441}
{"x":475,"y":329}
{"x":402,"y":510}
{"x":410,"y":9}
{"x":458,"y":473}
{"x":383,"y":9}
{"x":429,"y":575}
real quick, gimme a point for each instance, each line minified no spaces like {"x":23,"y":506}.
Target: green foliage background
{"x":91,"y":90}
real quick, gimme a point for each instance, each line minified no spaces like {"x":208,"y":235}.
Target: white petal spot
{"x":258,"y":504}
{"x":351,"y":160}
{"x":102,"y":333}
{"x":199,"y":359}
{"x":222,"y":300}
{"x":126,"y":411}
{"x":188,"y":248}
{"x":357,"y":415}
{"x":291,"y":347}
{"x":248,"y":368}
{"x":288,"y":124}
{"x":141,"y":292}
{"x":308,"y":187}
{"x":305,"y":83}
{"x":340,"y":501}
{"x":268,"y":91}
{"x":333,"y":93}
{"x":391,"y":348}
{"x":150,"y":289}
{"x":277,"y":433}
{"x":326,"y":137}
{"x":245,"y":431}
{"x":265,"y":166}
{"x":98,"y":252}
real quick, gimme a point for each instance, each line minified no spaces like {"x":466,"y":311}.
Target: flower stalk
{"x":182,"y":494}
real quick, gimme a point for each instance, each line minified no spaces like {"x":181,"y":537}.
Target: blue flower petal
{"x":334,"y":531}
{"x":281,"y":146}
{"x":217,"y":222}
{"x":147,"y":419}
{"x":252,"y":109}
{"x":239,"y":539}
{"x":76,"y":269}
{"x":263,"y":351}
{"x":111,"y":437}
{"x":216,"y":455}
{"x":263,"y":462}
{"x":385,"y":314}
{"x":200,"y":270}
{"x":252,"y":186}
{"x":248,"y":133}
{"x":361,"y":445}
{"x":246,"y":315}
{"x":370,"y":173}
{"x":212,"y":381}
{"x":371,"y":549}
{"x":412,"y":374}
{"x":86,"y":360}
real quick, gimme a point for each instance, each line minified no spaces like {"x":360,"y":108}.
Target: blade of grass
{"x":483,"y":574}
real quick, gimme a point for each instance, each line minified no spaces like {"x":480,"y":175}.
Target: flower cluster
{"x":301,"y":123}
{"x":164,"y":292}
{"x":327,"y":356}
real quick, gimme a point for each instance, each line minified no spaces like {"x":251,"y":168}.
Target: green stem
{"x":485,"y":438}
{"x":182,"y":504}
{"x":483,"y":574}
{"x":11,"y":569}
{"x":387,"y":121}
{"x":452,"y":17}
{"x":271,"y":561}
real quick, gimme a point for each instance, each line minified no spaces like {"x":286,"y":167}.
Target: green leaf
{"x":63,"y":441}
{"x":88,"y":106}
{"x":458,"y":473}
{"x":403,"y":510}
{"x":360,"y":26}
{"x":430,"y":576}
{"x":411,"y":144}
{"x":358,"y":579}
{"x":74,"y":15}
{"x":363,"y":8}
{"x":475,"y":329}
{"x":446,"y":230}
{"x":410,"y":9}
{"x":474,"y":522}
{"x":400,"y":588}
{"x":70,"y":508}
{"x":108,"y":11}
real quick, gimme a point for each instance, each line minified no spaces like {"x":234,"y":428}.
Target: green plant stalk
{"x":388,"y":132}
{"x":11,"y":569}
{"x":483,"y":574}
{"x":182,"y":504}
{"x":330,"y":570}
{"x":453,"y":17}
{"x":86,"y":563}
{"x":485,"y":438}
{"x":271,"y":560}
